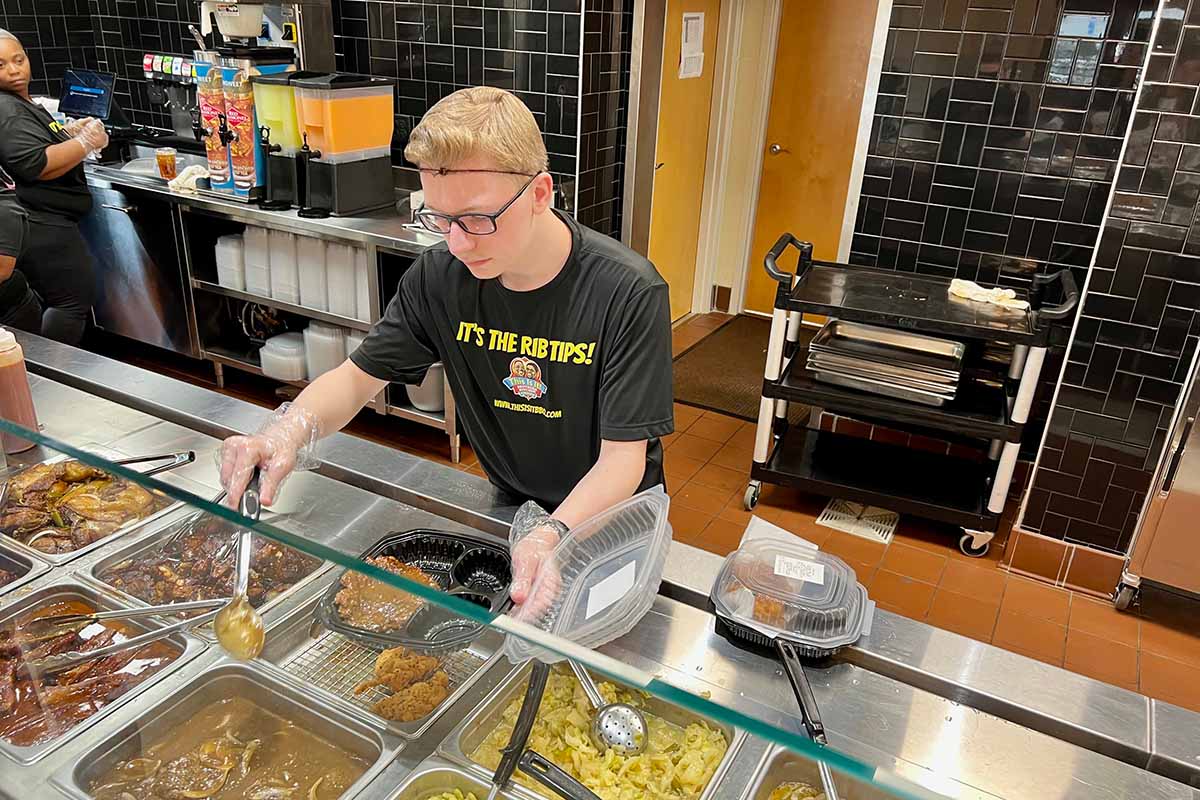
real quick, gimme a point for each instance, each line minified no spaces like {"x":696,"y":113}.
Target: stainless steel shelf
{"x":415,"y":415}
{"x":321,"y":316}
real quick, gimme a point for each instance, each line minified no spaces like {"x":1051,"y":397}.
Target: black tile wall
{"x":57,"y":34}
{"x":434,"y":49}
{"x":607,"y":43}
{"x":1139,"y":324}
{"x":996,"y":134}
{"x":568,"y":64}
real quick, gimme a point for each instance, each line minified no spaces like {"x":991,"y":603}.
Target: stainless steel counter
{"x":380,"y":228}
{"x":958,"y":716}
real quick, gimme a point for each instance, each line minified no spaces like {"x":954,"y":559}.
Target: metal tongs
{"x":43,"y":628}
{"x":64,"y":661}
{"x":531,"y":762}
{"x":173,"y":460}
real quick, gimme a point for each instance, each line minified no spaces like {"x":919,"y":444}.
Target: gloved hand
{"x":532,"y":539}
{"x":284,"y":444}
{"x":74,"y":126}
{"x":92,"y":136}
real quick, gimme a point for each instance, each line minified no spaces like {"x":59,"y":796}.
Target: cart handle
{"x":1069,"y":292}
{"x":775,"y":252}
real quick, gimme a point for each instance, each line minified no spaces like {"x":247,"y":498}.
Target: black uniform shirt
{"x":26,"y":130}
{"x":539,"y":377}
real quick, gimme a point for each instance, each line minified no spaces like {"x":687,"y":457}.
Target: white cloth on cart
{"x":1005,"y":298}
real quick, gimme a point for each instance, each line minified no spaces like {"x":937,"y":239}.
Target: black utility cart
{"x":1005,"y":353}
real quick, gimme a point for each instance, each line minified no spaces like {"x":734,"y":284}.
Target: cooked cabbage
{"x":794,"y":790}
{"x":457,"y":794}
{"x":676,"y":765}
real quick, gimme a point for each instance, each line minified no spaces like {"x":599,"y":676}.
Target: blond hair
{"x":479,"y":121}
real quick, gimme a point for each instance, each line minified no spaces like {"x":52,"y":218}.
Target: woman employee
{"x":46,"y":161}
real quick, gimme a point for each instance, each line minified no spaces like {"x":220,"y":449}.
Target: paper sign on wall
{"x":691,"y":49}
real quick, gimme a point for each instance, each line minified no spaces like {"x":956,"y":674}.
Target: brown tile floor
{"x":921,"y":574}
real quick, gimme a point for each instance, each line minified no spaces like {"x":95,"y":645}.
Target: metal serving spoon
{"x":239,"y":626}
{"x":616,"y":726}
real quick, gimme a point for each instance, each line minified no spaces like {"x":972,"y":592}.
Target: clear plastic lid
{"x":780,"y":588}
{"x":610,"y":568}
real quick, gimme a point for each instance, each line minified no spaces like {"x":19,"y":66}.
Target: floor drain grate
{"x":869,"y":522}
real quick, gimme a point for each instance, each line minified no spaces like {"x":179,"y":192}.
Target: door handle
{"x":776,"y":148}
{"x":122,"y":209}
{"x":1177,"y":456}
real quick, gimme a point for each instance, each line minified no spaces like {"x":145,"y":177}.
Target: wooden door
{"x":680,"y":155}
{"x":816,"y":102}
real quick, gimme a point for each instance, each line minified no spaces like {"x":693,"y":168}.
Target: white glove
{"x":285,"y":444}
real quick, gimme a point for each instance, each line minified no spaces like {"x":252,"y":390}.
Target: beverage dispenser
{"x":346,"y":123}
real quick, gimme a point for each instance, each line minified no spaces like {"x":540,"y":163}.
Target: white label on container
{"x":610,"y":590}
{"x":799,"y":569}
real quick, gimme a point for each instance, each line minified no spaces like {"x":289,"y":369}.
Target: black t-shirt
{"x":539,"y":377}
{"x":26,"y":130}
{"x":12,"y":237}
{"x":12,"y":217}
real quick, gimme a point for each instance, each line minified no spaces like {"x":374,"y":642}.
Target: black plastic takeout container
{"x":466,"y":567}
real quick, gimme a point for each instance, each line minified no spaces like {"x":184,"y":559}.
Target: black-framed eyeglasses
{"x":475,"y":224}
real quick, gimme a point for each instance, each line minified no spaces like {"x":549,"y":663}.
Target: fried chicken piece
{"x":398,"y":668}
{"x":373,"y":605}
{"x":416,"y":701}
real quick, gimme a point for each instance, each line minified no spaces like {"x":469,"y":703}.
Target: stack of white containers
{"x":339,"y":273}
{"x":231,"y":262}
{"x":257,"y":258}
{"x":310,"y":255}
{"x":285,"y":273}
{"x":282,"y":357}
{"x":324,"y":347}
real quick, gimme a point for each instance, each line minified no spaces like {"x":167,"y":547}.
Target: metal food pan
{"x":187,"y":646}
{"x":947,"y":391}
{"x":57,"y":559}
{"x":851,"y":364}
{"x":890,"y":346}
{"x":883,"y":389}
{"x":231,"y":679}
{"x":782,"y":766}
{"x":25,"y":566}
{"x":434,"y":777}
{"x":144,"y":545}
{"x":317,"y":657}
{"x":484,"y":719}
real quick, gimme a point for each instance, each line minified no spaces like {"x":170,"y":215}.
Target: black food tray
{"x":462,"y":566}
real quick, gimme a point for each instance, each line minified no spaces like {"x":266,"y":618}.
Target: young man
{"x":556,"y":339}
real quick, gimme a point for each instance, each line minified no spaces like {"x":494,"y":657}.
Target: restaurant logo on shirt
{"x":525,"y":379}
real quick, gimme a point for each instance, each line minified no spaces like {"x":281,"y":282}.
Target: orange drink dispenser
{"x":346,"y":117}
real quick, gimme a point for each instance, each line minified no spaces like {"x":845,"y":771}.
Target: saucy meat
{"x":7,"y":577}
{"x":66,"y":505}
{"x":35,"y":710}
{"x":373,"y":605}
{"x":234,"y":750}
{"x":197,"y":563}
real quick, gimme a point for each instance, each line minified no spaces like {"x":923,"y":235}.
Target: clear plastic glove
{"x":74,"y":126}
{"x":284,"y":444}
{"x":92,"y":136}
{"x":532,"y":539}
